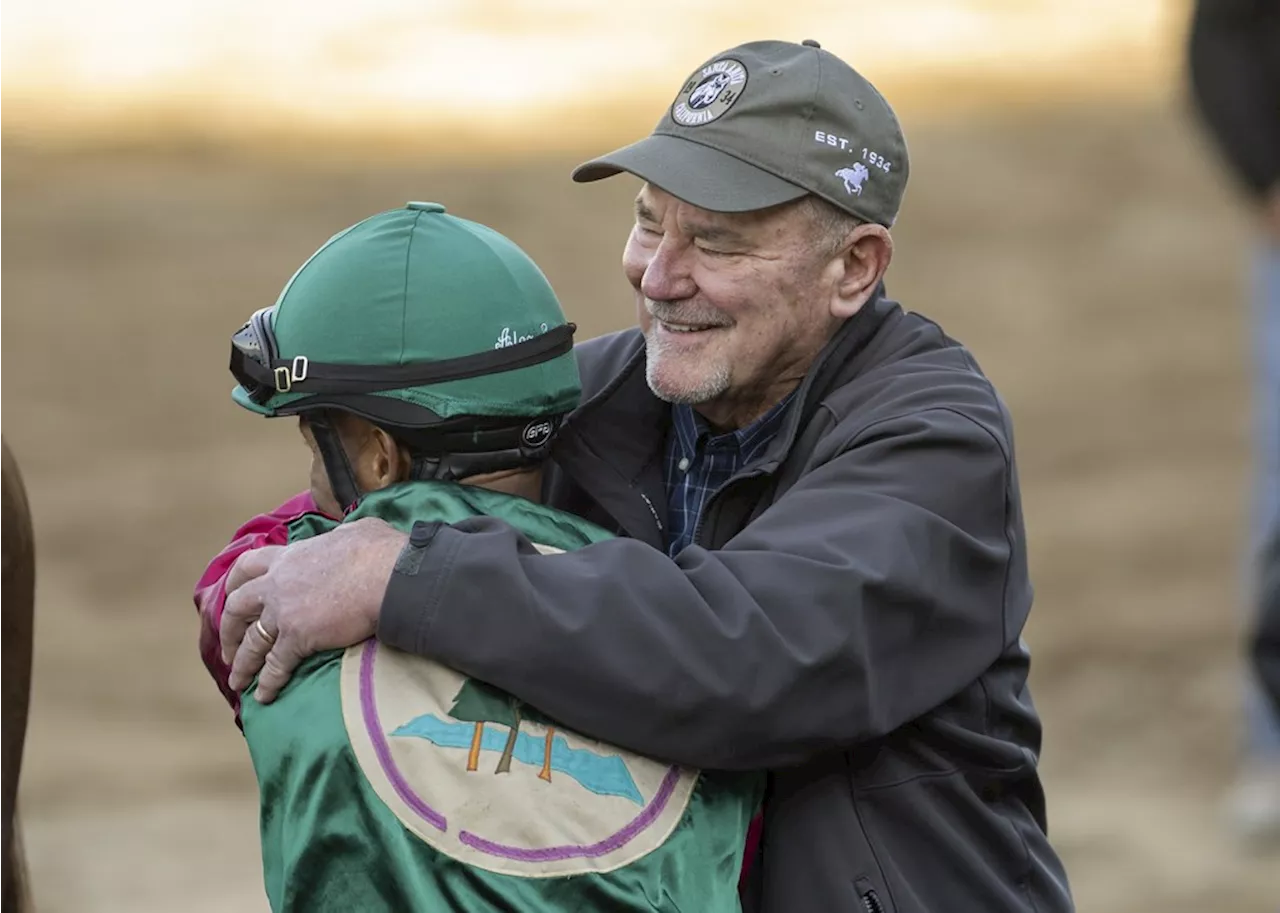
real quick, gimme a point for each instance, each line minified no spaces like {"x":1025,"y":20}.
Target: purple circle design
{"x":373,"y":726}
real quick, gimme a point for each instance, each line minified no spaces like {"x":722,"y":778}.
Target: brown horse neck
{"x":17,"y":603}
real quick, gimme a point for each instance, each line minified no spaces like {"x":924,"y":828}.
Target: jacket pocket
{"x":815,"y":846}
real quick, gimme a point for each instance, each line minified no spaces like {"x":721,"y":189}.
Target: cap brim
{"x":706,"y":177}
{"x":241,"y":398}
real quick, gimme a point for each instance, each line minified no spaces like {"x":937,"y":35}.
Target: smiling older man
{"x":823,"y":571}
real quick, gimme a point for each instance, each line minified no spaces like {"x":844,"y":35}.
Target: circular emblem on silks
{"x":486,"y":780}
{"x":709,"y":92}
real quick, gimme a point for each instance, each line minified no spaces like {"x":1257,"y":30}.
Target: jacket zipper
{"x":657,"y":521}
{"x":871,"y":902}
{"x":715,"y":496}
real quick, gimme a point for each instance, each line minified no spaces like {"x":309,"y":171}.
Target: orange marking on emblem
{"x":473,"y":757}
{"x":545,"y":773}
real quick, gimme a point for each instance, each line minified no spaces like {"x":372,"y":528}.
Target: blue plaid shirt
{"x":699,"y":462}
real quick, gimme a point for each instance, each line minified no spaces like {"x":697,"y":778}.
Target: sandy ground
{"x":1093,"y":261}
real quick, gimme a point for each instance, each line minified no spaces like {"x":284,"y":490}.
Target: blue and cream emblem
{"x":487,"y":780}
{"x":709,"y":92}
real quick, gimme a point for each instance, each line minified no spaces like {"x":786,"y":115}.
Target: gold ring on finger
{"x":266,"y":635}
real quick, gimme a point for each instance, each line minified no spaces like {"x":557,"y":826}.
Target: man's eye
{"x":647,"y":231}
{"x":712,"y":252}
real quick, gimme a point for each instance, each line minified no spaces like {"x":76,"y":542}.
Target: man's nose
{"x":668,"y":276}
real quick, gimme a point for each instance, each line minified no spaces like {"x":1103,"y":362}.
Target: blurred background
{"x":167,"y":166}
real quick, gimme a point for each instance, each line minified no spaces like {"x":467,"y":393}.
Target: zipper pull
{"x":657,"y":520}
{"x":871,"y":902}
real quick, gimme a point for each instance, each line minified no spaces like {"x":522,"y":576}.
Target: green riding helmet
{"x":436,"y":328}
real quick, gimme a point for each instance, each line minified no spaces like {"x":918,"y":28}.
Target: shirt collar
{"x":692,"y":429}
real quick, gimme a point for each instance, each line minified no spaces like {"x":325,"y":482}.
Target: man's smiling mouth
{"x":688,"y":328}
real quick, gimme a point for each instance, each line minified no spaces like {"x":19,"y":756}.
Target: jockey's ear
{"x":857,"y":267}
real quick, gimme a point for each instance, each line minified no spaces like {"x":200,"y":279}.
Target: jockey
{"x":429,"y":366}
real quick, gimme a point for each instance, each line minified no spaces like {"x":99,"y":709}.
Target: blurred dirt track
{"x":1093,"y":262}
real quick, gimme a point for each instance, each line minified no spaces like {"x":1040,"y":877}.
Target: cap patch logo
{"x":709,"y":92}
{"x":853,"y":178}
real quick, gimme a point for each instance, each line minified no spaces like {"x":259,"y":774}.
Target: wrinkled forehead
{"x":653,"y":204}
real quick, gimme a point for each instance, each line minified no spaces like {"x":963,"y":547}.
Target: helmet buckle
{"x":288,"y":375}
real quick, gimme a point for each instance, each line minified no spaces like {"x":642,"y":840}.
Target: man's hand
{"x":285,"y":603}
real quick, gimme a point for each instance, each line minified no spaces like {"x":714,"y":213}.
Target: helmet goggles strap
{"x":257,"y":367}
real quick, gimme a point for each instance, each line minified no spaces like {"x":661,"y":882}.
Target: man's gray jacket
{"x":849,"y":617}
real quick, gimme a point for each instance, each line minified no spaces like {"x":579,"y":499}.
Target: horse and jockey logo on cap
{"x":708,"y":90}
{"x":853,"y":178}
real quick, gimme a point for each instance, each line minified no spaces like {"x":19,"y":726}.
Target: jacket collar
{"x":835,"y":364}
{"x":625,"y":426}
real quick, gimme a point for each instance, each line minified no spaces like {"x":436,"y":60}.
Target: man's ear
{"x":859,"y":265}
{"x":389,"y":462}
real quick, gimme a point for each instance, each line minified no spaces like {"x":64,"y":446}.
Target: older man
{"x":823,"y":571}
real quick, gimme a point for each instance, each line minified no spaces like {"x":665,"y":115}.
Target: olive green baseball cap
{"x":401,"y":298}
{"x":769,"y":122}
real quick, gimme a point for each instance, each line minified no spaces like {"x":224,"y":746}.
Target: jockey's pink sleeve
{"x":210,"y":595}
{"x":754,"y":833}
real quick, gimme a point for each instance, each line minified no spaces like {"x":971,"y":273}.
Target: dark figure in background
{"x":1235,"y":77}
{"x":15,"y":640}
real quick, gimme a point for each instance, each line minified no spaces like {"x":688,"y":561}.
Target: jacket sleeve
{"x":870,"y":592}
{"x":1236,"y":94}
{"x":210,"y":593}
